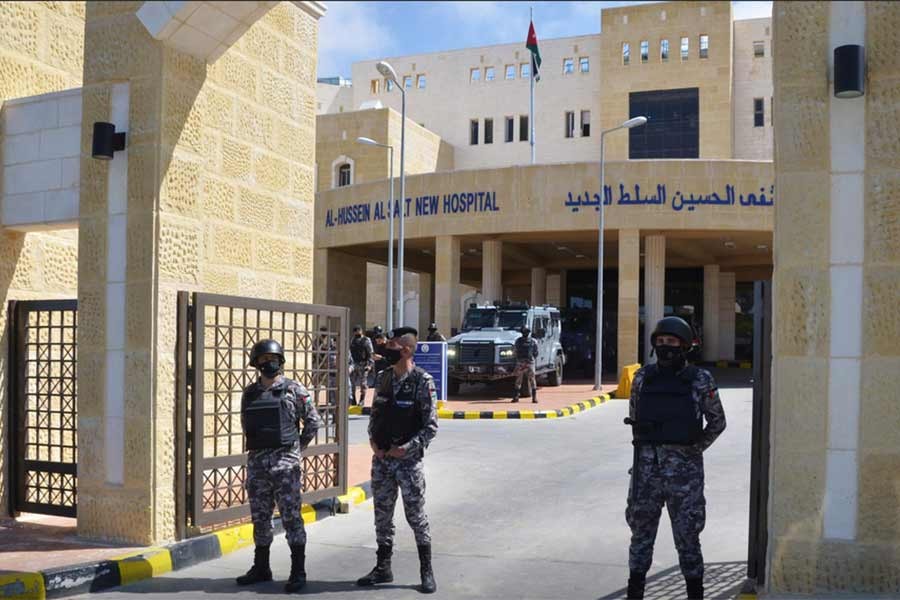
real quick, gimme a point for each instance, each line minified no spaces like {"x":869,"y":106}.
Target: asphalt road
{"x":518,"y":509}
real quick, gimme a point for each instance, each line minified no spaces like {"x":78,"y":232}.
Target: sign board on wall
{"x":432,"y":356}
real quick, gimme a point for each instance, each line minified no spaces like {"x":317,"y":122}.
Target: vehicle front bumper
{"x":481,"y":372}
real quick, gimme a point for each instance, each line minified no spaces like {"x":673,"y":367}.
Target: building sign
{"x":473,"y":203}
{"x":432,"y":356}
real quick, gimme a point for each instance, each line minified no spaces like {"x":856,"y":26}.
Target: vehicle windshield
{"x":513,"y":319}
{"x":478,"y":318}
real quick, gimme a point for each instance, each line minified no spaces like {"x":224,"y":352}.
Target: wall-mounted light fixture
{"x":106,"y":141}
{"x":849,"y":71}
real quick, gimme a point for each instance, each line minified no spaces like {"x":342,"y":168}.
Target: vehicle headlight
{"x":451,"y":351}
{"x":507,"y":353}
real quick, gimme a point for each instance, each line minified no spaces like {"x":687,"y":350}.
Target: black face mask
{"x":358,"y":334}
{"x":670,"y":356}
{"x":270,"y":368}
{"x":391,"y":355}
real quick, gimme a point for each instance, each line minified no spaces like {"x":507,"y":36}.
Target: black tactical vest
{"x":358,"y":350}
{"x":665,"y":412}
{"x":268,"y":420}
{"x":523,"y":348}
{"x":397,"y":418}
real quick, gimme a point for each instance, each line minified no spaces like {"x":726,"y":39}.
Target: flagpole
{"x":531,"y":113}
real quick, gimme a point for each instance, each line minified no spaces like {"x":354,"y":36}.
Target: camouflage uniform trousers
{"x":389,"y":474}
{"x":525,"y":368}
{"x":672,"y":476}
{"x":359,"y":377}
{"x":275,"y":476}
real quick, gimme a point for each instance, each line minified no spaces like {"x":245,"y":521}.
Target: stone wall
{"x":219,"y":199}
{"x":41,"y":47}
{"x":752,"y":80}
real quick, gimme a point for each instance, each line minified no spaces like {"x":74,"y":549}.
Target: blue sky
{"x":352,"y":31}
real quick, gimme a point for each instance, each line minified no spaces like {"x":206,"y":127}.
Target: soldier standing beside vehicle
{"x":403,"y":423}
{"x":669,"y":401}
{"x":434,"y":335}
{"x":526,"y":354}
{"x":361,"y":352}
{"x":271,"y":410}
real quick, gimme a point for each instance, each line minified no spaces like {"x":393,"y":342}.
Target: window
{"x":489,"y":73}
{"x":525,"y":70}
{"x":510,"y":71}
{"x":523,"y":128}
{"x":344,"y":175}
{"x":584,"y":64}
{"x":685,"y":48}
{"x":407,"y":82}
{"x":673,"y":128}
{"x":568,"y":66}
{"x":373,"y":86}
{"x":759,"y":49}
{"x":570,"y":124}
{"x":473,"y":132}
{"x":704,"y":46}
{"x":510,"y":125}
{"x":389,"y":85}
{"x":488,"y":131}
{"x":645,"y":51}
{"x":664,"y":50}
{"x":420,"y":82}
{"x":585,"y":123}
{"x":759,"y":112}
{"x":626,"y":53}
{"x":474,"y":75}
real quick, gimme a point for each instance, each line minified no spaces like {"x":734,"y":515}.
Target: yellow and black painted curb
{"x":85,"y":578}
{"x":469,"y":415}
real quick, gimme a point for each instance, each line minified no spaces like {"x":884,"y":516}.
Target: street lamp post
{"x":390,"y":74}
{"x":598,"y":358}
{"x":389,"y":316}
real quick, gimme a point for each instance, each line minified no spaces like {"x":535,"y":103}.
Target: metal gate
{"x":44,"y":398}
{"x":215,"y":335}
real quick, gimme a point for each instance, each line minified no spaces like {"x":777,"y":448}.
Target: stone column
{"x":654,"y":287}
{"x":425,"y":319}
{"x":446,"y":283}
{"x":629,"y":296}
{"x":341,"y":281}
{"x":710,"y":312}
{"x":554,"y":297}
{"x":727,"y":297}
{"x":538,"y":286}
{"x":492,"y":270}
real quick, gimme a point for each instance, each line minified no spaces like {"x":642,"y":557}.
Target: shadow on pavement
{"x":226,"y":585}
{"x":722,"y":581}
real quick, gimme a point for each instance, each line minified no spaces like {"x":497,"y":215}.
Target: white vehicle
{"x":484,"y":350}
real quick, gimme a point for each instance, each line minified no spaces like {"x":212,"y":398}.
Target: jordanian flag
{"x":532,"y":46}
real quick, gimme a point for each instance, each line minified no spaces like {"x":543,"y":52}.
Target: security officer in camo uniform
{"x":526,"y":354}
{"x":361,"y":353}
{"x":403,"y":423}
{"x":669,"y":401}
{"x":434,"y":335}
{"x":271,"y":412}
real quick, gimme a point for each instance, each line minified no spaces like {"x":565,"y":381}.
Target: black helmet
{"x":378,"y":329}
{"x":265,"y":347}
{"x":357,"y":328}
{"x":432,"y":327}
{"x":673,"y":326}
{"x":525,"y":331}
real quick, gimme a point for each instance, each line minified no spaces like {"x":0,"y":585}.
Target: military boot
{"x":636,"y":582}
{"x":515,"y":397}
{"x":694,"y":588}
{"x":297,"y":579}
{"x":428,"y":584}
{"x":382,"y":571}
{"x":534,"y":395}
{"x":260,"y":570}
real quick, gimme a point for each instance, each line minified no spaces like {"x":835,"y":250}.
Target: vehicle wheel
{"x":555,"y":377}
{"x":452,"y":387}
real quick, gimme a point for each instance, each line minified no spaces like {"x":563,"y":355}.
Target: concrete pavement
{"x":518,"y":510}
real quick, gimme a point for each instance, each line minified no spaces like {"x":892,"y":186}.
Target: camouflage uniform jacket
{"x":706,"y":403}
{"x":297,"y":401}
{"x":426,"y":396}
